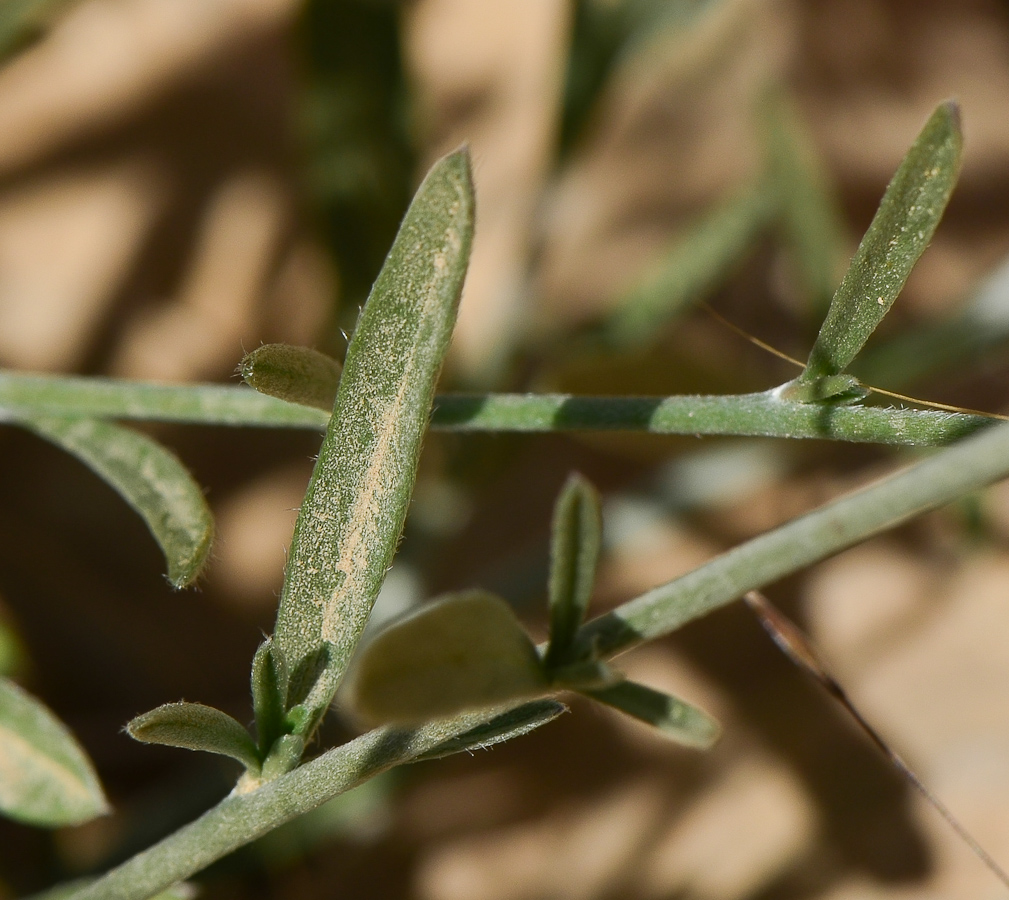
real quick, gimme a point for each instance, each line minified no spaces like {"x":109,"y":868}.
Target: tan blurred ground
{"x":151,"y":226}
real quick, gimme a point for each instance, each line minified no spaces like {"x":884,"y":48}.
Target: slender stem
{"x":763,"y":414}
{"x":241,"y":818}
{"x":934,"y":482}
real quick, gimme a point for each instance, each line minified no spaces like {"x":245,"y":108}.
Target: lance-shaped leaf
{"x":900,"y":231}
{"x":510,"y":724}
{"x":269,"y":693}
{"x":353,"y":512}
{"x":148,"y":477}
{"x":462,"y":651}
{"x":296,"y":374}
{"x":574,"y":553}
{"x":674,"y":718}
{"x":194,"y":726}
{"x":45,"y":777}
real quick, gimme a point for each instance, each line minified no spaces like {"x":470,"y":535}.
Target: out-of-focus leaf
{"x":810,"y":216}
{"x":574,"y":552}
{"x":354,"y":121}
{"x":194,"y":726}
{"x":674,"y":718}
{"x":45,"y":777}
{"x":22,"y":22}
{"x":296,"y":374}
{"x":462,"y":651}
{"x":148,"y":477}
{"x":604,"y":34}
{"x":353,"y":512}
{"x":697,"y":263}
{"x":510,"y":724}
{"x":899,"y":233}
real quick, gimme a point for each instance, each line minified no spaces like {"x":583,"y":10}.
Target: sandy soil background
{"x":165,"y":205}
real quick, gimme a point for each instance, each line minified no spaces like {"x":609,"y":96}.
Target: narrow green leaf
{"x":462,"y":651}
{"x":269,"y":693}
{"x":295,"y":374}
{"x":510,"y":724}
{"x":148,"y":477}
{"x":194,"y":726}
{"x":904,"y":224}
{"x":45,"y":777}
{"x":693,"y":267}
{"x":674,"y":718}
{"x":574,"y":553}
{"x":356,"y":503}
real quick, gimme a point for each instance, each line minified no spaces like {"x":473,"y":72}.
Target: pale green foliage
{"x":468,"y":651}
{"x":194,"y":726}
{"x":462,"y":651}
{"x":899,"y":233}
{"x":296,"y":374}
{"x":148,"y":477}
{"x":356,"y":503}
{"x":45,"y":777}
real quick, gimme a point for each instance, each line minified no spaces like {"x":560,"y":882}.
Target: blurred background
{"x":181,"y":180}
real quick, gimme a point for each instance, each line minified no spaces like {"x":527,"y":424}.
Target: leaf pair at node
{"x":574,"y":556}
{"x":194,"y":726}
{"x":468,"y":650}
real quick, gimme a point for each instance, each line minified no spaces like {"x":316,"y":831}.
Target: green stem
{"x":241,"y":818}
{"x":763,"y":414}
{"x":936,"y":481}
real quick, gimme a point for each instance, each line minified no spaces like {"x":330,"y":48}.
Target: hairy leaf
{"x":356,"y":503}
{"x":148,"y":477}
{"x":899,"y":233}
{"x":295,"y":374}
{"x":194,"y":726}
{"x":45,"y":777}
